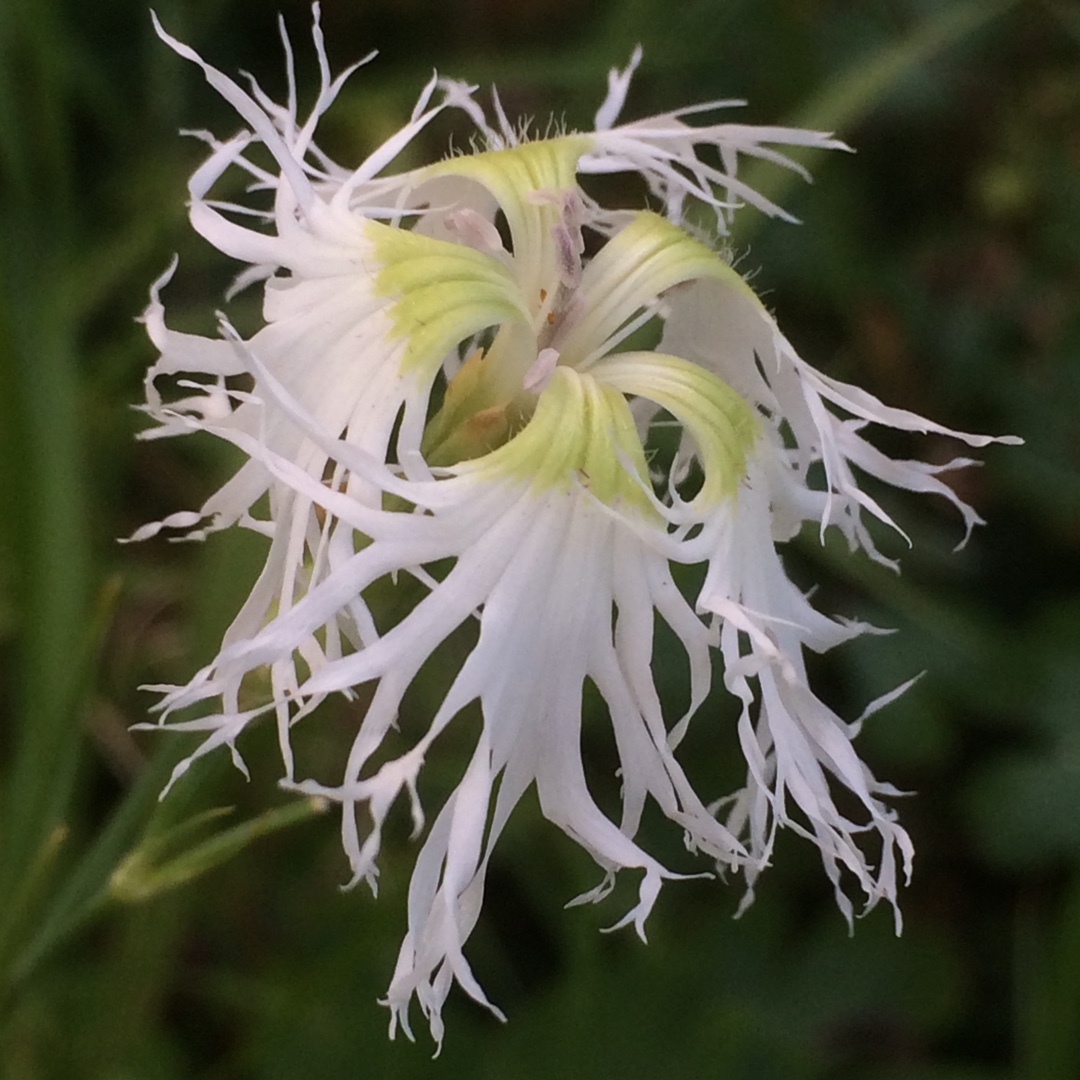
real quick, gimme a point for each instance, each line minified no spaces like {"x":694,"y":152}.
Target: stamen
{"x":541,"y":370}
{"x":474,"y":230}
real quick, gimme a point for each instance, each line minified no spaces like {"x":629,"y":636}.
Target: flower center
{"x":494,"y":393}
{"x":533,"y":306}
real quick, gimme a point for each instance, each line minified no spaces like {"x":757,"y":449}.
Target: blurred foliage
{"x":939,"y":267}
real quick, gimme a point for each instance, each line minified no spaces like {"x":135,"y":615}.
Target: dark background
{"x":939,"y":267}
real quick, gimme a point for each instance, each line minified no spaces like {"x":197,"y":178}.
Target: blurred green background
{"x":939,"y":267}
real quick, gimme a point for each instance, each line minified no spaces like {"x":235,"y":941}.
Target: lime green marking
{"x":719,"y":420}
{"x":581,"y":432}
{"x":443,"y":293}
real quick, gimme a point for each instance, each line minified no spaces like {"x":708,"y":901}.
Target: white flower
{"x":436,"y":399}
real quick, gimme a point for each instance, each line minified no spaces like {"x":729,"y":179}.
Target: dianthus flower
{"x":449,"y":387}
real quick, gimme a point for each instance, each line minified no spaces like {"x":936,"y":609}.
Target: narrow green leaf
{"x":82,"y":896}
{"x":141,"y":876}
{"x":44,"y":452}
{"x":21,"y":907}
